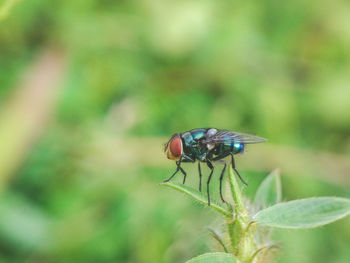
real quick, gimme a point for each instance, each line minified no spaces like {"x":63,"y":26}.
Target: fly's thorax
{"x":211,"y":132}
{"x":210,"y":146}
{"x":188,"y":139}
{"x":193,"y":145}
{"x":174,"y":147}
{"x":198,"y":134}
{"x":202,"y":157}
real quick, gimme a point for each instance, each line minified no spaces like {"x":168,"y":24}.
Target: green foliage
{"x":213,"y":258}
{"x":218,"y":237}
{"x":245,"y":236}
{"x":304,"y":213}
{"x":24,"y":225}
{"x":138,"y":71}
{"x":5,"y":8}
{"x":269,"y":191}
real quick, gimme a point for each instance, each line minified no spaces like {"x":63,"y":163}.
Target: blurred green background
{"x":90,"y":90}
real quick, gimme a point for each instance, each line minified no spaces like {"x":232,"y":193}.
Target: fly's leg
{"x":221,"y":156}
{"x":209,"y":178}
{"x":184,"y":173}
{"x":200,"y":176}
{"x":185,"y":159}
{"x":178,"y":163}
{"x":234,"y":168}
{"x":222,"y":177}
{"x":171,"y":177}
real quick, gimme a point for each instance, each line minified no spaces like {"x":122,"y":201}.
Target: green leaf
{"x":218,"y":238}
{"x":269,"y":191}
{"x":236,"y":193}
{"x":304,"y":213}
{"x":198,"y":196}
{"x":213,"y":258}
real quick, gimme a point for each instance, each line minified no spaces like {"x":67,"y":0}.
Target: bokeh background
{"x":91,"y":90}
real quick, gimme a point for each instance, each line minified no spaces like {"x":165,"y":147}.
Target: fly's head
{"x":173,"y":148}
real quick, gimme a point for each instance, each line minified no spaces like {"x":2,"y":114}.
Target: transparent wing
{"x":236,"y":137}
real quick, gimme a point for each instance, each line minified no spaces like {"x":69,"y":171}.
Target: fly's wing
{"x":223,"y":136}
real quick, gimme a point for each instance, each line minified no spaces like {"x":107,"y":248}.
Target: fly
{"x":207,"y":145}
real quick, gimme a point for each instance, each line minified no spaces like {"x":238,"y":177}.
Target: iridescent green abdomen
{"x":232,"y":147}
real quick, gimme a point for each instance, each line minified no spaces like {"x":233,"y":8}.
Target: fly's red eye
{"x":176,"y":147}
{"x":173,"y":148}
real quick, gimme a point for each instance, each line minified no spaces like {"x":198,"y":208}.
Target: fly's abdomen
{"x":230,"y":147}
{"x":237,"y":148}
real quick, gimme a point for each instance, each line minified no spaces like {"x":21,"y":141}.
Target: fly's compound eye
{"x":173,"y":148}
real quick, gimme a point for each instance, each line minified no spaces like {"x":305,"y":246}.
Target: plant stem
{"x":236,"y":194}
{"x":240,"y":231}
